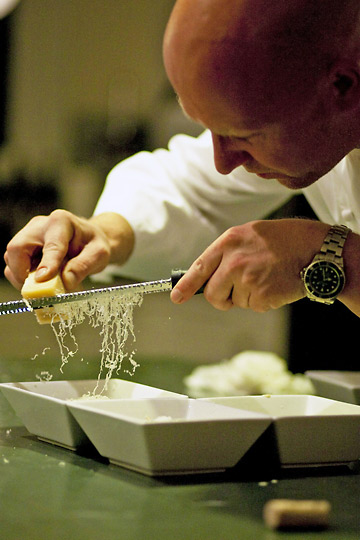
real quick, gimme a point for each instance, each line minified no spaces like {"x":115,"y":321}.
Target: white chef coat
{"x":177,"y":203}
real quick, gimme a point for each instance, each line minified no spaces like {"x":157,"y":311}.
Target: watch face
{"x":324,"y":279}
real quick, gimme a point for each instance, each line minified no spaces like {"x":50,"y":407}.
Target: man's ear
{"x":345,"y":85}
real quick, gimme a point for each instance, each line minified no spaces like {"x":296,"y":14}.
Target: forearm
{"x":119,"y":233}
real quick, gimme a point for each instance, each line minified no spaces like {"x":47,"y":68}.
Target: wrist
{"x":324,"y":278}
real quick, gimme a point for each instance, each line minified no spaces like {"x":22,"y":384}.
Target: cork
{"x":288,"y":513}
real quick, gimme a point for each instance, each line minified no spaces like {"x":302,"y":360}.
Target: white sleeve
{"x":177,"y":203}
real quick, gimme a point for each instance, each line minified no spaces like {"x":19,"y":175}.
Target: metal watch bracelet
{"x":334,"y":243}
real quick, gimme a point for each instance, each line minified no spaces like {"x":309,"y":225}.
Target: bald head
{"x":263,"y":57}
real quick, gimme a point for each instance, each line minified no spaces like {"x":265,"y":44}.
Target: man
{"x":277,"y":86}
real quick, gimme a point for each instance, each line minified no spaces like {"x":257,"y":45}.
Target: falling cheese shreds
{"x":45,"y":376}
{"x":113,"y":315}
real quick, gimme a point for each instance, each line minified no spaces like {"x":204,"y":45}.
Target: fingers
{"x":42,"y":244}
{"x":60,"y":242}
{"x":219,"y":290}
{"x":11,"y":277}
{"x":223,"y":289}
{"x":255,"y":266}
{"x":206,"y":270}
{"x":191,"y":282}
{"x":57,"y":235}
{"x":232,"y":270}
{"x":93,"y":258}
{"x":22,"y":250}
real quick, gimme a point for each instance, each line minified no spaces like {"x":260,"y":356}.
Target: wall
{"x":79,"y":57}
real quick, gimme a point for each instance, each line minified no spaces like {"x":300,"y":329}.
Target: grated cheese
{"x":113,"y":314}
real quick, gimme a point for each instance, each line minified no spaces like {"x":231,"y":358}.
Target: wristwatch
{"x":324,"y":278}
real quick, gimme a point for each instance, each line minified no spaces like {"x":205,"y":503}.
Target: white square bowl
{"x":340,"y":385}
{"x":43,"y":406}
{"x":309,"y":430}
{"x":162,"y":437}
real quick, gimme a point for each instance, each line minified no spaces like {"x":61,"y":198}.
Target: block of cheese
{"x":291,"y":514}
{"x":37,"y":289}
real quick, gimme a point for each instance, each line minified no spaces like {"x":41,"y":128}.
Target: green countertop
{"x":49,"y":493}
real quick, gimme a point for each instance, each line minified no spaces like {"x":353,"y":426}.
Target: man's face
{"x":296,"y":150}
{"x":274,"y":117}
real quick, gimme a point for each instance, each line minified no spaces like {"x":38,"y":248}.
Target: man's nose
{"x":226,"y":156}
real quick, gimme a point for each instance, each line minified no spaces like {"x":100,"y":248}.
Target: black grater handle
{"x":177,"y":274}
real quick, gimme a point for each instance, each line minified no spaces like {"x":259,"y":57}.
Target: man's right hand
{"x":64,"y":242}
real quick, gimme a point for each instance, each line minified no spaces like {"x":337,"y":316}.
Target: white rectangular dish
{"x":163,"y":437}
{"x":340,"y":385}
{"x":43,"y":406}
{"x":308,"y":430}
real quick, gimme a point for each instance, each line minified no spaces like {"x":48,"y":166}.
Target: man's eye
{"x":249,"y":138}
